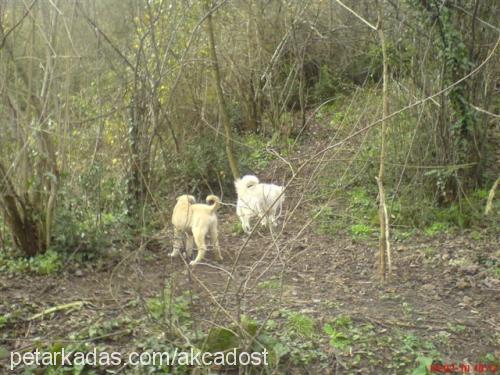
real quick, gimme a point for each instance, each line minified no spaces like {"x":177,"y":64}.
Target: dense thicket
{"x":108,"y":108}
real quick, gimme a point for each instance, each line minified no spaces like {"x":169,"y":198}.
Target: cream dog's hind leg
{"x":214,"y":237}
{"x":189,"y":245}
{"x":199,"y":239}
{"x":177,"y":243}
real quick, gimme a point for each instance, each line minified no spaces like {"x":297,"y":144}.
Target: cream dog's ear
{"x":189,"y":198}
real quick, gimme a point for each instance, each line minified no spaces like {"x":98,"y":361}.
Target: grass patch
{"x":301,"y":324}
{"x":361,"y":220}
{"x":437,"y":228}
{"x":361,"y":230}
{"x":236,"y":228}
{"x":269,"y":284}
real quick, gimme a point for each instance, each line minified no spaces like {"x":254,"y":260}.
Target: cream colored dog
{"x":195,"y":221}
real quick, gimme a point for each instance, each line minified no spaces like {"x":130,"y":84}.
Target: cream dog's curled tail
{"x":213,"y":201}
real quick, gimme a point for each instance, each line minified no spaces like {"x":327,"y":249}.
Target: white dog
{"x":256,"y":199}
{"x":195,"y":221}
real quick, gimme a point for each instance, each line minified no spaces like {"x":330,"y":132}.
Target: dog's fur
{"x":257,"y":200}
{"x":195,"y":221}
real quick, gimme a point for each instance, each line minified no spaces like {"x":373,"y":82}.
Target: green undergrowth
{"x":294,"y":340}
{"x":256,"y":152}
{"x":44,"y":264}
{"x":356,"y":214}
{"x":365,"y":345}
{"x":418,"y":188}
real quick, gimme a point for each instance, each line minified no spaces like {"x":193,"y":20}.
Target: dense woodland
{"x":380,"y":118}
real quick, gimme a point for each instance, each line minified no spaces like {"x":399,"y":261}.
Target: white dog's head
{"x":245,"y":183}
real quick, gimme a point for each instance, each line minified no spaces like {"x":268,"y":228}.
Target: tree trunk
{"x":384,"y":244}
{"x":220,"y":96}
{"x":135,"y":179}
{"x":20,"y":219}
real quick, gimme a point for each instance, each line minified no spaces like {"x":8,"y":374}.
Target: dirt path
{"x":441,"y":299}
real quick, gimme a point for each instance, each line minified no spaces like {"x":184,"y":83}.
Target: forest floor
{"x":441,"y":302}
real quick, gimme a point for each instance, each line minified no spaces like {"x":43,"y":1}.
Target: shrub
{"x":43,"y":264}
{"x":327,"y":86}
{"x":200,"y":167}
{"x":254,"y":153}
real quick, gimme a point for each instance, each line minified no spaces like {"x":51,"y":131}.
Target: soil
{"x":440,"y":287}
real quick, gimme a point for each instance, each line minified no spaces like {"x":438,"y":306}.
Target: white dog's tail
{"x":213,"y":201}
{"x":244,"y":183}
